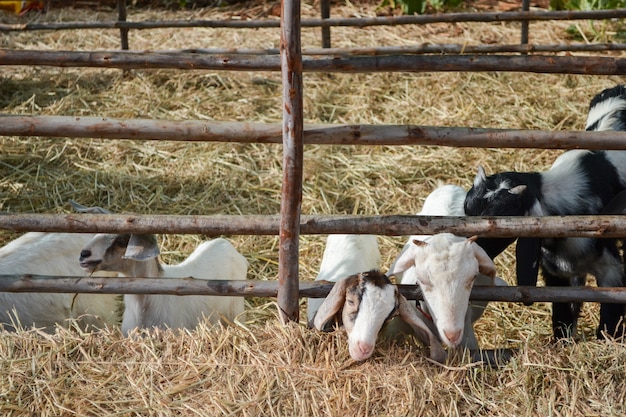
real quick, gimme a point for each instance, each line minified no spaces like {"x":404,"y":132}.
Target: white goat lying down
{"x":446,"y":267}
{"x":53,"y":254}
{"x":364,"y":301}
{"x":136,"y":256}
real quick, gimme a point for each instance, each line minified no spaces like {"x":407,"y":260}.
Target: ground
{"x":256,"y":366}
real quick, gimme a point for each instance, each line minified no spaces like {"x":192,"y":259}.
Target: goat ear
{"x":480,"y":176}
{"x":518,"y":190}
{"x":405,"y":260}
{"x":485,"y":264}
{"x":333,"y":303}
{"x":423,"y":327}
{"x":142,"y":247}
{"x":84,"y":209}
{"x":528,"y":255}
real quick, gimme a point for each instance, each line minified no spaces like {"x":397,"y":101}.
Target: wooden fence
{"x":293,"y":134}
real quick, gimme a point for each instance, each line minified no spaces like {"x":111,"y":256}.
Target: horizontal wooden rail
{"x":610,"y":226}
{"x":587,"y":65}
{"x":427,"y":48}
{"x":353,"y":22}
{"x":196,"y":130}
{"x":257,"y":288}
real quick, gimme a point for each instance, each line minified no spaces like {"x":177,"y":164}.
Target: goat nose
{"x":365,"y":348}
{"x":85,"y":254}
{"x":453,"y":336}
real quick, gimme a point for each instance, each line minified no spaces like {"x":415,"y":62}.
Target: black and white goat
{"x":580,"y":182}
{"x":362,"y":300}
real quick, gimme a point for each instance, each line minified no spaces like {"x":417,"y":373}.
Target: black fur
{"x":564,"y":261}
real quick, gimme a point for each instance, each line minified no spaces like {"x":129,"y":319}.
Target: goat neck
{"x":145,"y":269}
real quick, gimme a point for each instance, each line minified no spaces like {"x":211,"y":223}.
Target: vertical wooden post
{"x":293,"y":150}
{"x":325,"y":9}
{"x":121,"y":9}
{"x":525,"y":23}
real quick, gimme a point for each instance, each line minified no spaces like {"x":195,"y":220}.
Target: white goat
{"x":51,"y":254}
{"x":446,"y":267}
{"x":363,"y":301}
{"x":136,"y":256}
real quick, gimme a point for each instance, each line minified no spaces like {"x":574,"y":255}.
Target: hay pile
{"x":289,"y":371}
{"x":258,"y":367}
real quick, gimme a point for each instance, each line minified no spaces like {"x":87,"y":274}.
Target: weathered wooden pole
{"x":293,"y":154}
{"x":257,"y":288}
{"x":322,"y":134}
{"x":325,"y":14}
{"x":583,"y":65}
{"x":524,"y":34}
{"x":342,"y":21}
{"x":591,"y":226}
{"x":121,"y":10}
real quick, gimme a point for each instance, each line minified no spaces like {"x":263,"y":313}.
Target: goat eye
{"x":350,"y":303}
{"x":122,"y":241}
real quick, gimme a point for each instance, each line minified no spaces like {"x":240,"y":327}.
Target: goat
{"x":446,"y":267}
{"x":445,"y":200}
{"x":344,"y":255}
{"x":579,"y":182}
{"x":135,"y":255}
{"x":364,"y":301}
{"x":52,"y":254}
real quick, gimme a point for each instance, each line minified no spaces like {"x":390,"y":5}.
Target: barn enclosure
{"x":295,"y":134}
{"x":182,"y":135}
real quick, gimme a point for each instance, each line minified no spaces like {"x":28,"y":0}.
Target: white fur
{"x":446,"y":267}
{"x":363,"y":298}
{"x":445,"y":200}
{"x":609,"y":113}
{"x":345,"y":255}
{"x":564,"y":174}
{"x":618,"y":159}
{"x":362,"y":336}
{"x":51,"y":254}
{"x":213,"y":260}
{"x":606,"y":111}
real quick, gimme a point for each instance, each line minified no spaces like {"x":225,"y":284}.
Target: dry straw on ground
{"x":258,"y":367}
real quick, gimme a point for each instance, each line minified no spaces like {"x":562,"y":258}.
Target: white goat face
{"x":445,"y":267}
{"x":446,"y":276}
{"x":105,"y":252}
{"x":367,"y":308}
{"x":117,"y":252}
{"x":364,"y":302}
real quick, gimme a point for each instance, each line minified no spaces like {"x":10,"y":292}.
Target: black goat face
{"x":504,"y":194}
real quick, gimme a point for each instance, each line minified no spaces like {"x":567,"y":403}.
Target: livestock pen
{"x":172,"y":178}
